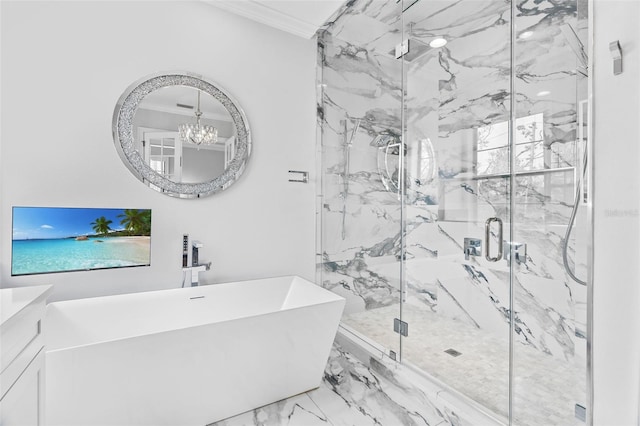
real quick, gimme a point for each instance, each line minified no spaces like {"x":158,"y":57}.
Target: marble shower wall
{"x":455,"y":97}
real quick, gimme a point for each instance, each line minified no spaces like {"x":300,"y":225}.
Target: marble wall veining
{"x":360,"y":218}
{"x":456,"y":109}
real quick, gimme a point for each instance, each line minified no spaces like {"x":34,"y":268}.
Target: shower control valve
{"x":515,"y":251}
{"x":472,"y":247}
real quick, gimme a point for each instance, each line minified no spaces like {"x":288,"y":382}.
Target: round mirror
{"x":181,"y":134}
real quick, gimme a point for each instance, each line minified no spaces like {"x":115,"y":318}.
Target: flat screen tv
{"x":60,"y":239}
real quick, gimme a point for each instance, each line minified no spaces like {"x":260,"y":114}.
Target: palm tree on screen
{"x":101,"y":225}
{"x":136,"y":222}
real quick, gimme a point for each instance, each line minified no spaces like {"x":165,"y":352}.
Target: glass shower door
{"x":360,"y":94}
{"x":496,"y":118}
{"x":458,"y":195}
{"x":550,"y":215}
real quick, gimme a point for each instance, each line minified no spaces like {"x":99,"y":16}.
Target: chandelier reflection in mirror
{"x":131,"y":150}
{"x":198,"y":133}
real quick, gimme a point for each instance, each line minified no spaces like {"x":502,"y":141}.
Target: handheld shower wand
{"x":347,"y":152}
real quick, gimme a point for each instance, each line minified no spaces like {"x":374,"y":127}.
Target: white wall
{"x":64,"y":66}
{"x":617,"y":215}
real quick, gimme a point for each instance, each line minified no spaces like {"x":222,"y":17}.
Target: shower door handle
{"x":487,"y":239}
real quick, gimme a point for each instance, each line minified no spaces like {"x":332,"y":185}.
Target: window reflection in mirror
{"x":158,"y":140}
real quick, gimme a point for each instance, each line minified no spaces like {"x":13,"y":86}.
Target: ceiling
{"x":299,"y":17}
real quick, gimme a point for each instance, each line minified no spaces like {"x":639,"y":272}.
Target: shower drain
{"x":453,"y":352}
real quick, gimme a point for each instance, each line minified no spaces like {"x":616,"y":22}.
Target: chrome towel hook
{"x":616,"y":54}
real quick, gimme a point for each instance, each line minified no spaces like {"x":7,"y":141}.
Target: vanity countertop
{"x":14,"y":300}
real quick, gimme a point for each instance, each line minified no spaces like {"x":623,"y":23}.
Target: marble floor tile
{"x":299,"y":410}
{"x":354,"y":394}
{"x":351,"y":394}
{"x":370,"y":398}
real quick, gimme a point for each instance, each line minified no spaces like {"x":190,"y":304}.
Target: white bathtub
{"x":188,"y":356}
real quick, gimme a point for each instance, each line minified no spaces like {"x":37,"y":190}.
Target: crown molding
{"x":261,"y":12}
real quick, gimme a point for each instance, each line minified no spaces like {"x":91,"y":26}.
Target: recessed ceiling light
{"x":526,"y":34}
{"x":437,"y":42}
{"x":543,"y":93}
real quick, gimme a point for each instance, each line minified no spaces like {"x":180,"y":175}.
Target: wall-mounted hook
{"x":304,"y":176}
{"x":616,"y":54}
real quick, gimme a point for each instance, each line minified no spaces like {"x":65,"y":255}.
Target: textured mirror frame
{"x":123,"y":135}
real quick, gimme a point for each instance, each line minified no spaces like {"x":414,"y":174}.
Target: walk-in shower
{"x":474,"y":124}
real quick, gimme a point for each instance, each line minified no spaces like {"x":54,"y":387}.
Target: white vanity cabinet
{"x":22,"y":355}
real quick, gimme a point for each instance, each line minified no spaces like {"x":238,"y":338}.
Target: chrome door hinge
{"x":401,"y":327}
{"x":402,"y":49}
{"x":581,"y":412}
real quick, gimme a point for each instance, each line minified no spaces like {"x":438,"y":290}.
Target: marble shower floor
{"x":353,"y":394}
{"x":546,"y":388}
{"x":350,"y":394}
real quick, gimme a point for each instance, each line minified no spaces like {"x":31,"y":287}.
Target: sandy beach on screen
{"x":141,"y":241}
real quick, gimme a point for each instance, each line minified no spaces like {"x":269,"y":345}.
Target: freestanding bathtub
{"x":188,"y":356}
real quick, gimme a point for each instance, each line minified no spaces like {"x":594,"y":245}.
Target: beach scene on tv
{"x":58,"y":239}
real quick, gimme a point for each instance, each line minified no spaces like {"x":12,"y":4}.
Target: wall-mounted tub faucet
{"x":196,"y":266}
{"x":190,"y":261}
{"x":195,"y":272}
{"x":195,"y":245}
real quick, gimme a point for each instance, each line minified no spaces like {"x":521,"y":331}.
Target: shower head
{"x":389,"y":143}
{"x":577,"y":47}
{"x":382,"y":140}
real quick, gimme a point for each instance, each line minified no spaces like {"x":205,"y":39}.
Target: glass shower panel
{"x":359,"y":115}
{"x":549,"y":350}
{"x":457,"y":109}
{"x":421,"y":159}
